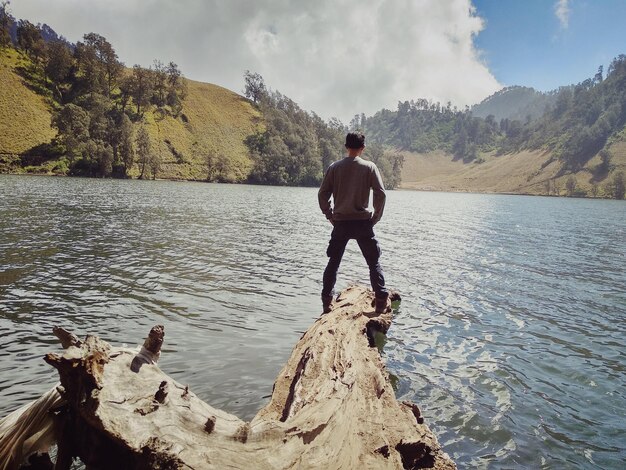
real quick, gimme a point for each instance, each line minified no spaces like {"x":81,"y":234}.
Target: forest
{"x":297,"y":145}
{"x":97,"y":104}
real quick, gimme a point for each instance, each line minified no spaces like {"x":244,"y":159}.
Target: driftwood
{"x":332,"y":407}
{"x":30,"y":429}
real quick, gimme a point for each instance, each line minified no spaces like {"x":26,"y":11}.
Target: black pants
{"x":363,"y":232}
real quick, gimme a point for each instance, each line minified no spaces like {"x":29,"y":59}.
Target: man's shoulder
{"x":351,"y":162}
{"x":368,"y":163}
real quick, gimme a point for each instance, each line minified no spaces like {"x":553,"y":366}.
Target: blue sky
{"x":524,"y":42}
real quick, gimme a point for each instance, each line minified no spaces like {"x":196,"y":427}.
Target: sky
{"x":339,"y":58}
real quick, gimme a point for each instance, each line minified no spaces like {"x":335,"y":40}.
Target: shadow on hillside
{"x":33,"y":80}
{"x":39,"y":154}
{"x":599,"y":173}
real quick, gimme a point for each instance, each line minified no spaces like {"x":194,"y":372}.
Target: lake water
{"x":510,"y":335}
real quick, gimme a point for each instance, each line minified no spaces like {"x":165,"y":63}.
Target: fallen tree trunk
{"x":332,"y":407}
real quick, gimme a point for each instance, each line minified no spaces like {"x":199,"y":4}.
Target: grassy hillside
{"x":24,"y":115}
{"x":526,"y":172}
{"x":213,"y":119}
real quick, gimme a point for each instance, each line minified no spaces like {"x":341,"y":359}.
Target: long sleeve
{"x":379,"y":195}
{"x":325,"y":193}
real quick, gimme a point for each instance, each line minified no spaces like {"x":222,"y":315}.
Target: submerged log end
{"x":67,"y":338}
{"x":154,"y":341}
{"x":151,"y":349}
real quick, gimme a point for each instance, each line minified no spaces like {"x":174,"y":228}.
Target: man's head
{"x":355,"y":143}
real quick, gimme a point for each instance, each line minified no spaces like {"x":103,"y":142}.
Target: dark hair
{"x":355,"y":140}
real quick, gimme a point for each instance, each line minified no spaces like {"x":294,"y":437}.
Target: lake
{"x":510,"y":335}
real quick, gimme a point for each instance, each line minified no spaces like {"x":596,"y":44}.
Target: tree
{"x":598,"y":76}
{"x":100,"y":156}
{"x":155,"y":164}
{"x":101,"y":124}
{"x":105,"y":55}
{"x":29,"y":37}
{"x":144,"y":149}
{"x":223,"y":168}
{"x":126,"y":85}
{"x":98,"y":63}
{"x":570,"y":186}
{"x":5,"y":24}
{"x":126,"y":143}
{"x":211,"y":165}
{"x":58,"y":62}
{"x":72,"y":123}
{"x":177,"y":88}
{"x":141,"y":87}
{"x":159,"y":83}
{"x":254,"y":86}
{"x":618,"y":185}
{"x":91,"y":73}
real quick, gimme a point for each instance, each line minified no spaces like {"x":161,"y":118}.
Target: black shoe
{"x":381,"y":304}
{"x":327,"y":301}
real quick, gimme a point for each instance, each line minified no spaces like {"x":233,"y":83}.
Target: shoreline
{"x":400,"y":188}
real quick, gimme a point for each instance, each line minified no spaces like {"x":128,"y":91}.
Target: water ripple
{"x":510,"y":334}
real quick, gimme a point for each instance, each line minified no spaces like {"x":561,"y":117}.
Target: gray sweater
{"x":349,"y":181}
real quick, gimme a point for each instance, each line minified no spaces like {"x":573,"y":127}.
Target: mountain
{"x":514,"y":103}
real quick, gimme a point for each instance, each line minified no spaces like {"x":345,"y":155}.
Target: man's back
{"x":349,"y":182}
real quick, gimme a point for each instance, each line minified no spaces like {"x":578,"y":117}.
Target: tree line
{"x":297,"y":146}
{"x":98,"y":104}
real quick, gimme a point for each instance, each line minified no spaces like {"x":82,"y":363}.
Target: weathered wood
{"x":28,"y":430}
{"x":332,"y":407}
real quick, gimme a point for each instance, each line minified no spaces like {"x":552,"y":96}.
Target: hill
{"x":514,"y":103}
{"x":532,"y":172}
{"x":24,"y":115}
{"x":213,"y":120}
{"x":580,"y":134}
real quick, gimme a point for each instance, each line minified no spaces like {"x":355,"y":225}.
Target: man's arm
{"x":376,"y":182}
{"x":325,"y":193}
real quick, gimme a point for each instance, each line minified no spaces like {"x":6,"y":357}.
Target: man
{"x":349,"y":181}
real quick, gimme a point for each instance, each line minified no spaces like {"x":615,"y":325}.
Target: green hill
{"x":24,"y":114}
{"x":213,"y":120}
{"x":578,"y":147}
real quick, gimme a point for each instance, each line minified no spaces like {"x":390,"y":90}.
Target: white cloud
{"x":336,"y":58}
{"x":562,"y":11}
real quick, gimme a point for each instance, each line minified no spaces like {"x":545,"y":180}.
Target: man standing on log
{"x":349,"y":181}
